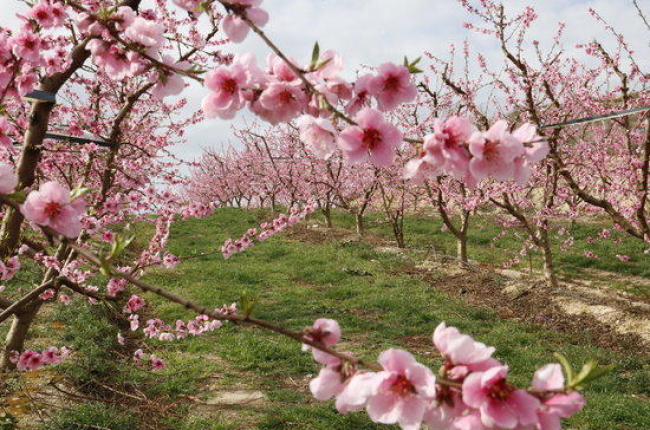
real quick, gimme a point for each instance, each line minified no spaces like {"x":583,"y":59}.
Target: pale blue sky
{"x":370,"y":32}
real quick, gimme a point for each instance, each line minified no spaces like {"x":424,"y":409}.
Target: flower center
{"x":371,"y":138}
{"x":402,"y":386}
{"x":490,"y":150}
{"x":391,"y":84}
{"x":229,"y":85}
{"x":286,"y":97}
{"x":500,"y":390}
{"x":52,"y":209}
{"x":317,"y":335}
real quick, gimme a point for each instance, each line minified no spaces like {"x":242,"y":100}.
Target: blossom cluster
{"x":472,"y":391}
{"x":9,"y":268}
{"x":155,"y":363}
{"x":231,"y":247}
{"x":24,"y":53}
{"x":457,"y":148}
{"x":33,"y":360}
{"x":158,"y":329}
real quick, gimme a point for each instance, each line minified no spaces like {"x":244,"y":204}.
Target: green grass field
{"x":295,"y":282}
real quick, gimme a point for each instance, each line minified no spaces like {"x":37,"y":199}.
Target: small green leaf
{"x":106,"y":267}
{"x":315,"y":55}
{"x":247,"y":304}
{"x":322,"y":64}
{"x":78,"y":192}
{"x":19,"y":196}
{"x":590,"y":372}
{"x":568,"y":371}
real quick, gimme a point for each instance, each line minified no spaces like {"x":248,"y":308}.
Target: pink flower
{"x":138,"y":354}
{"x":418,"y":169}
{"x":226,"y":97}
{"x":324,"y":331}
{"x":156,"y":363}
{"x":8,"y":180}
{"x":52,"y":355}
{"x":557,"y":406}
{"x":27,"y":45}
{"x":42,"y":14}
{"x":330,"y":381}
{"x":461,"y":349}
{"x":361,"y":97}
{"x":535,"y":151}
{"x":29,"y":360}
{"x":169,"y":83}
{"x":134,"y":322}
{"x":124,"y":17}
{"x":501,"y":405}
{"x":392,"y":86}
{"x":285,"y":100}
{"x":51,"y":206}
{"x":447,"y":146}
{"x":402,"y":391}
{"x":623,"y":257}
{"x":120,"y":339}
{"x":318,"y":134}
{"x":5,"y":129}
{"x":134,"y":303}
{"x":59,"y":13}
{"x":47,"y":294}
{"x":189,"y":5}
{"x":236,"y":28}
{"x":146,"y":33}
{"x":170,"y":261}
{"x":371,"y":138}
{"x":494,"y":153}
{"x":354,"y":396}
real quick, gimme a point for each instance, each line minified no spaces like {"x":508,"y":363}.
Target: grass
{"x":485,"y":247}
{"x":377,"y":307}
{"x":294,"y":283}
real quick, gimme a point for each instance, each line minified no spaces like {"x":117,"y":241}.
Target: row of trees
{"x":596,"y":168}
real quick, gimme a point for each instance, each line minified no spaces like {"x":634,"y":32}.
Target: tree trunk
{"x":360,"y":224}
{"x":461,"y":238}
{"x":327,"y":212}
{"x":398,"y":232}
{"x":23,"y":319}
{"x":549,"y":268}
{"x":17,"y":335}
{"x":461,"y":246}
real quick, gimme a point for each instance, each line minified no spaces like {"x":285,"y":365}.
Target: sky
{"x":371,"y":32}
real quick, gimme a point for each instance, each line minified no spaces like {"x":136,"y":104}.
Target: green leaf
{"x":590,"y":372}
{"x":568,"y":371}
{"x":78,"y":192}
{"x":247,"y":304}
{"x":106,"y":267}
{"x":119,"y":244}
{"x":322,"y":64}
{"x":19,"y":196}
{"x":315,"y":55}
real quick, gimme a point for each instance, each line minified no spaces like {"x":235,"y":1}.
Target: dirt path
{"x":587,"y":310}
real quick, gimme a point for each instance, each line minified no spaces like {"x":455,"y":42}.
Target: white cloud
{"x":369,"y":32}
